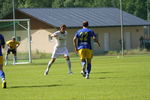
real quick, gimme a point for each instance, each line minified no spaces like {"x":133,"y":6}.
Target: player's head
{"x":63,"y":27}
{"x":13,"y":38}
{"x":85,"y":24}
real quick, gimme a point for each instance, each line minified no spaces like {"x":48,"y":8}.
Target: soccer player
{"x":60,"y":48}
{"x":2,"y":74}
{"x":82,"y":44}
{"x":12,"y":47}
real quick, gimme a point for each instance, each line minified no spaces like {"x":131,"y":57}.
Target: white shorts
{"x":60,"y":51}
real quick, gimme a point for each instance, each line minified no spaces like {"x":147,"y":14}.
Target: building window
{"x":18,"y":38}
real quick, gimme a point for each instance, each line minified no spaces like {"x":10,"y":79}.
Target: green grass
{"x":112,"y":78}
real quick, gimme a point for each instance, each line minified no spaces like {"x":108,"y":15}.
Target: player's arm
{"x":3,"y":45}
{"x":3,"y":42}
{"x":8,"y":44}
{"x":18,"y":44}
{"x":55,"y":34}
{"x":52,"y":35}
{"x":75,"y":44}
{"x":96,"y":40}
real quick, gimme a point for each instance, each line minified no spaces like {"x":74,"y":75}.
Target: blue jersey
{"x":2,"y":42}
{"x":84,"y":38}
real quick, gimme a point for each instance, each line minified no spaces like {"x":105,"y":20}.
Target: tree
{"x":129,"y":6}
{"x":83,"y":3}
{"x":58,"y":4}
{"x":69,"y":3}
{"x":140,"y":9}
{"x":136,"y":7}
{"x":6,"y":7}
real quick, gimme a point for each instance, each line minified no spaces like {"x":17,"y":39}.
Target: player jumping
{"x":60,"y":48}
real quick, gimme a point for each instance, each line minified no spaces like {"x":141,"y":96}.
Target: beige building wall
{"x":40,"y":41}
{"x":115,"y":36}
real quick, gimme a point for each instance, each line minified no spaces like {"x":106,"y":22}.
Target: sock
{"x":83,"y":63}
{"x":88,"y":68}
{"x":69,"y":65}
{"x":15,"y":59}
{"x":2,"y":75}
{"x":6,"y":58}
{"x":49,"y":65}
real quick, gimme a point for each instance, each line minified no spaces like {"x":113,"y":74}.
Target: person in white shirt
{"x":60,"y":48}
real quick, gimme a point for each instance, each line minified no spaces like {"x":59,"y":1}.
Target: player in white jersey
{"x":60,"y":48}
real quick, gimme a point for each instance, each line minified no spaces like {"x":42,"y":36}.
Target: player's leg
{"x":2,"y":74}
{"x":88,"y":70}
{"x":66,"y":55}
{"x":83,"y":61}
{"x":6,"y":57}
{"x":49,"y":65}
{"x":53,"y":58}
{"x":89,"y":56}
{"x":55,"y":54}
{"x":14,"y":52}
{"x":69,"y":64}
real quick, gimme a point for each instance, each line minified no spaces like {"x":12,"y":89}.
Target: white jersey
{"x":60,"y":39}
{"x":60,"y":47}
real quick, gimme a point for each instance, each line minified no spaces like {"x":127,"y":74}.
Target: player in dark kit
{"x":2,"y":74}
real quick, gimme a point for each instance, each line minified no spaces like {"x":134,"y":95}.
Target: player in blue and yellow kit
{"x":82,"y":43}
{"x":2,"y":74}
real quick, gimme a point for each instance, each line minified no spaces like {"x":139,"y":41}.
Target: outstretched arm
{"x":54,"y":35}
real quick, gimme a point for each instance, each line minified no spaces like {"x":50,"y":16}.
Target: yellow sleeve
{"x":17,"y":42}
{"x":8,"y":42}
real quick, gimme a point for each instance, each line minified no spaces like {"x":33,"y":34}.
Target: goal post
{"x":22,"y":34}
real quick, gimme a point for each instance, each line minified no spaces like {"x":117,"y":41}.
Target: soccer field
{"x":112,"y":78}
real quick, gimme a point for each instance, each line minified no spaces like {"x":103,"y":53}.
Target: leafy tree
{"x":136,"y":7}
{"x":58,"y":4}
{"x":104,"y":3}
{"x":140,"y":9}
{"x":129,"y":6}
{"x":6,"y":7}
{"x":83,"y":3}
{"x":148,"y":9}
{"x":69,"y":3}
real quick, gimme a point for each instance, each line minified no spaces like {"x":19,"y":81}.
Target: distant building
{"x":104,"y":21}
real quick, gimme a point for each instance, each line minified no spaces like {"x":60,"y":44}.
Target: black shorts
{"x":11,"y":50}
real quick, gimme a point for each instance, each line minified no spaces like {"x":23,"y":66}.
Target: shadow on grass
{"x":103,"y":72}
{"x":35,"y":86}
{"x":102,"y":78}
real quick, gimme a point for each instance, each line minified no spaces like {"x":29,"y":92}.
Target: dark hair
{"x":63,"y":25}
{"x":85,"y":24}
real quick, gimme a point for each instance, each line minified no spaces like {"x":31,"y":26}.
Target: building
{"x":104,"y":21}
